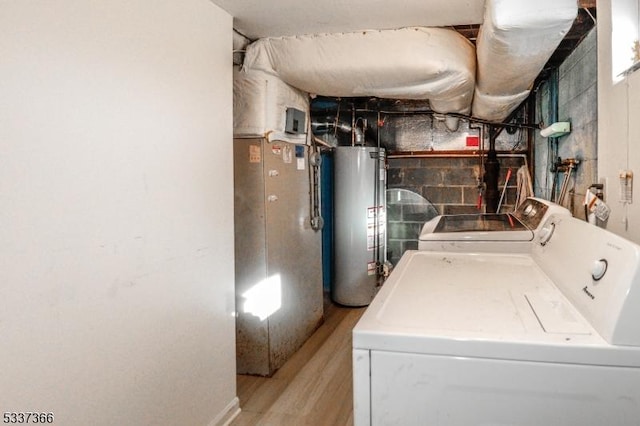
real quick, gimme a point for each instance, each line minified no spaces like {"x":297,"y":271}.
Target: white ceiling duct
{"x":515,"y":41}
{"x":410,"y":63}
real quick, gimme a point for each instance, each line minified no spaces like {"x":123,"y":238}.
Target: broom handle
{"x":504,"y":189}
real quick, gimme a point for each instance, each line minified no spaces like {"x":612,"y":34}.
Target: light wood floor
{"x":314,"y":387}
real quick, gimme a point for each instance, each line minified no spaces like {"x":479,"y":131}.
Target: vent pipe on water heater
{"x":343,"y":127}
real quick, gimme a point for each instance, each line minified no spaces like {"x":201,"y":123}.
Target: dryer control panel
{"x":598,"y":271}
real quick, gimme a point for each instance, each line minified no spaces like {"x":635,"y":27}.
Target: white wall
{"x":116,"y":220}
{"x":618,"y":131}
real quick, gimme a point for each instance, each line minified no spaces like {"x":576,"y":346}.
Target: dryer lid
{"x":484,"y":305}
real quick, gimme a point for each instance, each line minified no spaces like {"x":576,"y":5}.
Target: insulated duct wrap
{"x":410,"y":63}
{"x":260,"y":102}
{"x":515,"y":41}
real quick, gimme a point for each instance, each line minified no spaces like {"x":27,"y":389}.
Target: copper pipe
{"x":451,"y":154}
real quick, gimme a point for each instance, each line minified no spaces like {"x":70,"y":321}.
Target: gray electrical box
{"x":296,"y":121}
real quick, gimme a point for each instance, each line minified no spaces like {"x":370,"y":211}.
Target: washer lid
{"x":490,"y":305}
{"x":476,"y":227}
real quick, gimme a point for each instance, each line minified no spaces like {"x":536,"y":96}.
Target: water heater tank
{"x":359,"y":223}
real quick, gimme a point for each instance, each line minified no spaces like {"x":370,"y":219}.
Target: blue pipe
{"x":553,"y":142}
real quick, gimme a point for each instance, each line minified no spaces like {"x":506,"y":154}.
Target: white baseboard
{"x":227,"y":415}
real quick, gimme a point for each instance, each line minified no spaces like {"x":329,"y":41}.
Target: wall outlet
{"x":605,"y":187}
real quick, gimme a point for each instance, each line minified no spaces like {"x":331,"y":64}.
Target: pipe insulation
{"x":260,"y":103}
{"x":410,"y":63}
{"x":515,"y":41}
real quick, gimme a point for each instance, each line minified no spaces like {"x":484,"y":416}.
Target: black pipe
{"x":492,"y":173}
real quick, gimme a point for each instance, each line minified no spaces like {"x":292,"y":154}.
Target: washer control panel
{"x":531,"y":212}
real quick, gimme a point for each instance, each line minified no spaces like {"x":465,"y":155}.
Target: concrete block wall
{"x":446,"y":185}
{"x":577,"y":103}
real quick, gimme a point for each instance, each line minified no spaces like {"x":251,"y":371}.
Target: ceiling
{"x":272,"y":18}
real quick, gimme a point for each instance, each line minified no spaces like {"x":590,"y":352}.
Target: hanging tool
{"x":567,"y":166}
{"x":504,"y":189}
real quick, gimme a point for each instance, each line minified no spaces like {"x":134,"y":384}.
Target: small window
{"x":625,"y":38}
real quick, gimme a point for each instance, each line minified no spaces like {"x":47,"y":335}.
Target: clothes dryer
{"x":549,"y":337}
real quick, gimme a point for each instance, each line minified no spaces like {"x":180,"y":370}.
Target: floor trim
{"x":230,"y":412}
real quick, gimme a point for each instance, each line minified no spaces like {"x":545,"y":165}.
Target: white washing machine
{"x":512,"y":231}
{"x":550,"y":337}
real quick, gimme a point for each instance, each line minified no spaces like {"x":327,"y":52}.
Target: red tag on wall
{"x":473,"y":141}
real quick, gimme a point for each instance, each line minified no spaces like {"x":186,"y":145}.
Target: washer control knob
{"x":598,"y":269}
